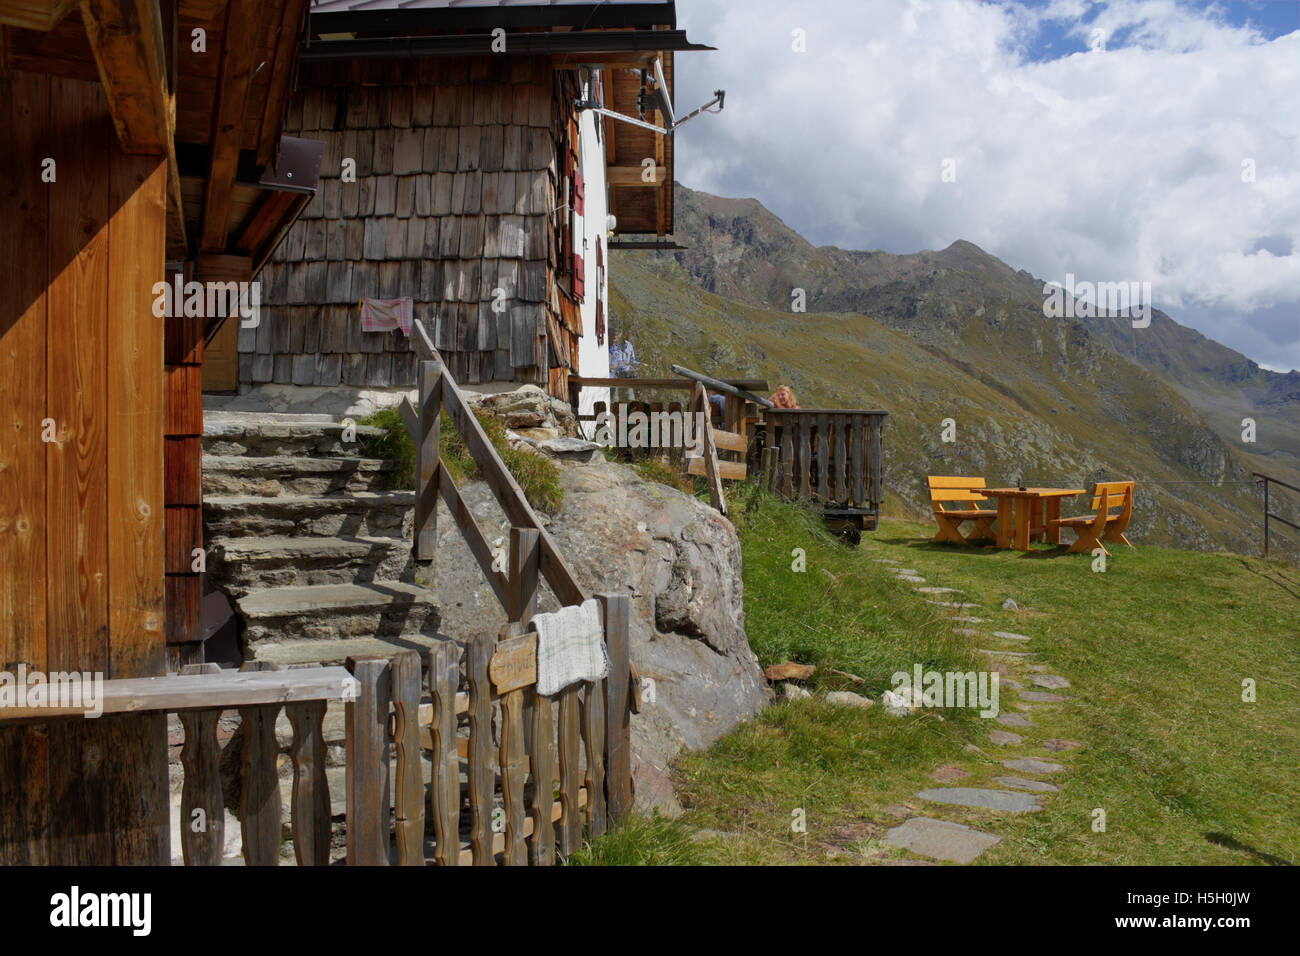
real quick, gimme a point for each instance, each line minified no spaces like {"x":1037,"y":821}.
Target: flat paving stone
{"x":1042,"y":696}
{"x":966,"y":631}
{"x":1007,"y":800}
{"x":1050,"y":681}
{"x":1010,"y":636}
{"x":941,"y":840}
{"x":1033,"y":765}
{"x":1011,"y":682}
{"x":967,"y":620}
{"x":948,"y":774}
{"x":997,"y":653}
{"x":904,"y":570}
{"x":933,"y":590}
{"x":1020,"y":783}
{"x":911,"y":578}
{"x":1014,"y":720}
{"x":1004,"y":737}
{"x":957,"y":604}
{"x":1058,"y":744}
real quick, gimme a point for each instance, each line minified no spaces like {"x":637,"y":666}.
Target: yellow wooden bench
{"x":947,"y":491}
{"x":1101,"y":526}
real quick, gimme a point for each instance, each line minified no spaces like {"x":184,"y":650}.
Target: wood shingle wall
{"x":456,"y":178}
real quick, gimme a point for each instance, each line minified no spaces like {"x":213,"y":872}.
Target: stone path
{"x":941,"y":840}
{"x":948,"y":841}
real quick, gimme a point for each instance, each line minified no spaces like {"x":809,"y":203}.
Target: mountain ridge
{"x":972,"y":328}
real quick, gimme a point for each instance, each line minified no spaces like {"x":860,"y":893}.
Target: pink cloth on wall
{"x":385,"y":315}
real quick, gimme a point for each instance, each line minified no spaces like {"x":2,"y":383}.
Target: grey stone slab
{"x":904,"y":570}
{"x":1057,"y":744}
{"x":911,"y":578}
{"x":1006,"y":800}
{"x":1042,"y":697}
{"x":933,"y":590}
{"x":1050,"y":681}
{"x":1020,"y":783}
{"x":1014,"y":720}
{"x":997,"y":653}
{"x":1010,"y":636}
{"x":957,"y":604}
{"x":1033,"y":765}
{"x":1004,"y":737}
{"x":941,"y":840}
{"x":968,"y":620}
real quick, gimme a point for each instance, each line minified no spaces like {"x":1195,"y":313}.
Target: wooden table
{"x":1033,"y":509}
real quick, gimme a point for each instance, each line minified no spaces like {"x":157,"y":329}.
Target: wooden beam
{"x":204,"y":11}
{"x":632,"y":175}
{"x":40,"y":15}
{"x":238,"y":48}
{"x":286,"y":55}
{"x":126,"y":37}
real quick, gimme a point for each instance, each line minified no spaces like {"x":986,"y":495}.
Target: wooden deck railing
{"x":832,"y":457}
{"x":198,"y":696}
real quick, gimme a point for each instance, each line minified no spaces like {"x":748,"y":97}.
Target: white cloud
{"x":1117,"y":165}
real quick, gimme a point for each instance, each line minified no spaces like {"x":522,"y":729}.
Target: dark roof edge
{"x":580,"y":16}
{"x":576,"y":43}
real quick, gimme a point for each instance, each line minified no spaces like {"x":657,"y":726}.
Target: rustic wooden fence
{"x":556,"y":766}
{"x":198,"y":696}
{"x":593,"y":719}
{"x":831,"y":457}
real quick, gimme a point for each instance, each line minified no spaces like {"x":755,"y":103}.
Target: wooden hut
{"x":459,"y":173}
{"x":141,"y":139}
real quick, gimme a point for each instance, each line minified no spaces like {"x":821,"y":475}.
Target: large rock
{"x":680,"y":562}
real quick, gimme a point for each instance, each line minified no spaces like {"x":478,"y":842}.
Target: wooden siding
{"x":456,"y":164}
{"x":81,"y":516}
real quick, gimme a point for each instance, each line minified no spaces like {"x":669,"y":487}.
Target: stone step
{"x":228,"y":434}
{"x":362,"y":513}
{"x":334,"y":651}
{"x":250,"y":563}
{"x":330,"y":612}
{"x":285,"y":475}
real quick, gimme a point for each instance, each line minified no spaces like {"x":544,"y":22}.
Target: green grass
{"x":1156,"y":649}
{"x":537,"y":476}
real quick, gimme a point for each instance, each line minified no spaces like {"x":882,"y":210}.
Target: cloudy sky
{"x":1136,"y":140}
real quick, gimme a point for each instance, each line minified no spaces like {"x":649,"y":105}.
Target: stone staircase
{"x":304,"y":536}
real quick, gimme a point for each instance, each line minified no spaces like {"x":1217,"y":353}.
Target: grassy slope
{"x":1156,"y":649}
{"x":1057,"y":425}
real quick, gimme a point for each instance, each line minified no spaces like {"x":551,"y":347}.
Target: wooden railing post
{"x":259,"y":795}
{"x":427,"y":464}
{"x":525,"y":561}
{"x":409,"y":792}
{"x":444,"y":794}
{"x":310,"y":804}
{"x":367,"y":763}
{"x":618,"y":742}
{"x":203,"y":814}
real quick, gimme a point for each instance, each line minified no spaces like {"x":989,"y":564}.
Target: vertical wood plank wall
{"x":81,"y":517}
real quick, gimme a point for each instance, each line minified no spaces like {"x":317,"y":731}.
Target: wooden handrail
{"x":718,"y":385}
{"x":212,"y":690}
{"x":685,"y":384}
{"x":442,"y":391}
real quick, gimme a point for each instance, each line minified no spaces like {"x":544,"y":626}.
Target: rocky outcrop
{"x":680,"y":562}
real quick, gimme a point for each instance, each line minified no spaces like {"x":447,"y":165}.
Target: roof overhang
{"x":588,"y":45}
